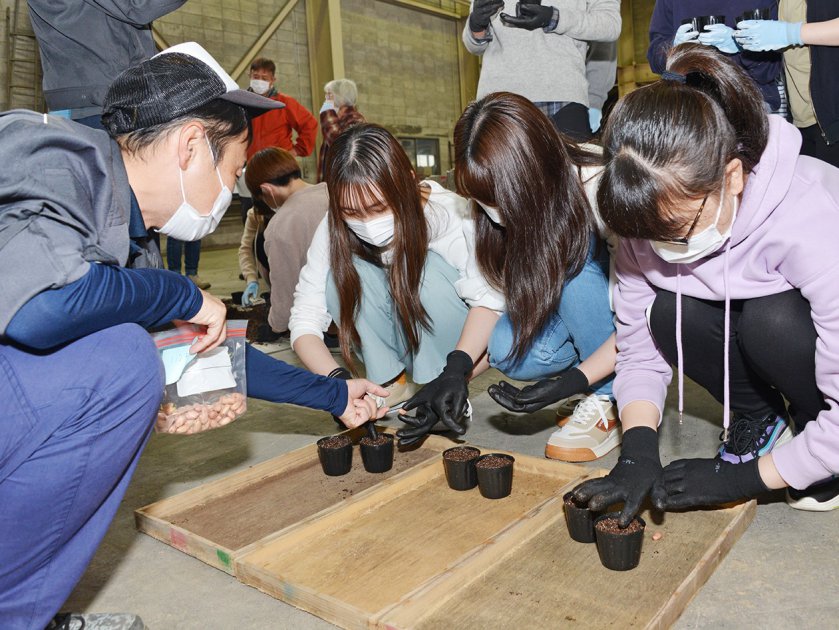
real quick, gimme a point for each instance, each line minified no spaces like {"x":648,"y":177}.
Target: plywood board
{"x":551,"y":581}
{"x":218,"y":520}
{"x":359,"y":560}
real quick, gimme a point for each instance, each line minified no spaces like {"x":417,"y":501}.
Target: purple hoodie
{"x":784,"y":237}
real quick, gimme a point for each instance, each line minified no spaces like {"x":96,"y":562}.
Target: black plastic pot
{"x":700,"y":22}
{"x":461,"y":475}
{"x":336,"y":461}
{"x":756,"y":14}
{"x":495,"y":483}
{"x":377,"y":458}
{"x":621,"y":550}
{"x":580,"y":520}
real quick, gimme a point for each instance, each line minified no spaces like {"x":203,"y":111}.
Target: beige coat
{"x":287,"y":239}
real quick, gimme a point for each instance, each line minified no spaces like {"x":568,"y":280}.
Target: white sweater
{"x":448,"y":219}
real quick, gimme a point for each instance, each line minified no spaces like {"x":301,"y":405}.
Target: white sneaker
{"x":566,"y":407}
{"x":592,"y":431}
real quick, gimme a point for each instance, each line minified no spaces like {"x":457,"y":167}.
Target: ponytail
{"x":671,"y":141}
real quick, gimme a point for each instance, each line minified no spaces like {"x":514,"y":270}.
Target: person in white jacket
{"x":384,"y":265}
{"x":538,"y":260}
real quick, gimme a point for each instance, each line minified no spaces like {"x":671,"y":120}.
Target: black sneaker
{"x":820,"y":497}
{"x":752,"y":437}
{"x":96,"y":621}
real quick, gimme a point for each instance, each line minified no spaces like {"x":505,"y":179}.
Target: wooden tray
{"x":376,"y":553}
{"x":220,"y":520}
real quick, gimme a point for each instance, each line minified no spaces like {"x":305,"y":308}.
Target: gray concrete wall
{"x":405,"y":65}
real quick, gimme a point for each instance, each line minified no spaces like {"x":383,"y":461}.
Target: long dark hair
{"x":367,"y":164}
{"x":671,"y":141}
{"x":509,"y":155}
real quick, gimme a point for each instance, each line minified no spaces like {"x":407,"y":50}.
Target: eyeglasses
{"x":683,"y":240}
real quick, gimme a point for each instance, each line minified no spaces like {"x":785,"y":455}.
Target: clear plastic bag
{"x":203,"y":391}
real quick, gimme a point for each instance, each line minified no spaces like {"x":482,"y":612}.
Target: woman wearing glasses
{"x":727,"y":270}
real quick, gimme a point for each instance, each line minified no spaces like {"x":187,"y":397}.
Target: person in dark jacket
{"x":667,"y":30}
{"x":86,"y":45}
{"x":80,"y":279}
{"x":808,"y":34}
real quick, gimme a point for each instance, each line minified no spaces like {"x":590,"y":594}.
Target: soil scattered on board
{"x":462,"y":454}
{"x":610,"y":526}
{"x":494,"y":462}
{"x":381,"y":440}
{"x":245,"y":515}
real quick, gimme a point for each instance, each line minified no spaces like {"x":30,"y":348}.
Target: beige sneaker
{"x":566,"y":408}
{"x":400,"y":390}
{"x":198,"y":282}
{"x":592,"y":431}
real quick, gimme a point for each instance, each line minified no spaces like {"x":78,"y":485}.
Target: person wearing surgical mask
{"x":385,"y":264}
{"x":535,"y":239}
{"x":278,"y":230}
{"x":726,"y":272}
{"x":293,"y":127}
{"x":82,"y":282}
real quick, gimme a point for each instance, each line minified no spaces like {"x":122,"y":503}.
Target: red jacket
{"x":273,"y":128}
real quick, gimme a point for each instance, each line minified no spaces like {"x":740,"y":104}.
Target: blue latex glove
{"x":760,"y":35}
{"x":594,"y":118}
{"x":250,"y":293}
{"x":685,"y":33}
{"x":719,"y":36}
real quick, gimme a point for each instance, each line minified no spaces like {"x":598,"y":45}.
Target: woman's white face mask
{"x":187,"y":224}
{"x":701,"y":244}
{"x":492,"y":212}
{"x":377,"y":232}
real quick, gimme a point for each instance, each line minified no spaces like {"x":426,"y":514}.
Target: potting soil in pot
{"x":462,"y":454}
{"x":381,"y":440}
{"x":611,"y":526}
{"x":494,"y":462}
{"x":336,"y":441}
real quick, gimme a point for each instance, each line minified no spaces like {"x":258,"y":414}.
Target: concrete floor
{"x":782,"y":573}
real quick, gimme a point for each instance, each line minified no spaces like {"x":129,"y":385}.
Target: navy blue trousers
{"x":73,"y":423}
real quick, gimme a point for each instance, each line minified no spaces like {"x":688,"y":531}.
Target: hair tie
{"x":667,"y":75}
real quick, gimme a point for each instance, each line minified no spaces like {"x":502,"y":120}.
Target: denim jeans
{"x":383,"y":348}
{"x":580,"y":325}
{"x":191,"y":253}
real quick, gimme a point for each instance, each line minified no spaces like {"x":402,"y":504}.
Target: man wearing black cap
{"x":80,"y":279}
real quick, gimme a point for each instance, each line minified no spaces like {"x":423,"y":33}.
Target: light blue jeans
{"x":580,"y":325}
{"x":383,"y":348}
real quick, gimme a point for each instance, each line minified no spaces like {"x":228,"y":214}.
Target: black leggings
{"x":772,"y":351}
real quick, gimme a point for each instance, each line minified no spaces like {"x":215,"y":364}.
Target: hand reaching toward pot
{"x":447,"y":396}
{"x":637,"y":472}
{"x":695,"y":482}
{"x":360,"y":406}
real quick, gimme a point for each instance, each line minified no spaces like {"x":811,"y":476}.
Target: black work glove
{"x":344,"y":374}
{"x":446,"y":395}
{"x":482,"y":12}
{"x":529,"y":16}
{"x":534,"y":397}
{"x":421,"y":424}
{"x":694,"y":482}
{"x":637,"y":471}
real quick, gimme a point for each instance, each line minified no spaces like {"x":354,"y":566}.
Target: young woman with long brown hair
{"x":384,"y":265}
{"x":539,"y":255}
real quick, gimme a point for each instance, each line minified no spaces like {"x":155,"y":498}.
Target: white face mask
{"x":187,"y":224}
{"x":259,"y":86}
{"x":492,"y":212}
{"x":699,"y":245}
{"x":378,"y":232}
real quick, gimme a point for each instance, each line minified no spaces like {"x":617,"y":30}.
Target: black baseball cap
{"x":171,"y":84}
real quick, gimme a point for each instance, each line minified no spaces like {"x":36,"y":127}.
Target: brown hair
{"x":509,"y":155}
{"x":271,"y":165}
{"x":263,"y":63}
{"x":671,"y":141}
{"x":367,"y":163}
